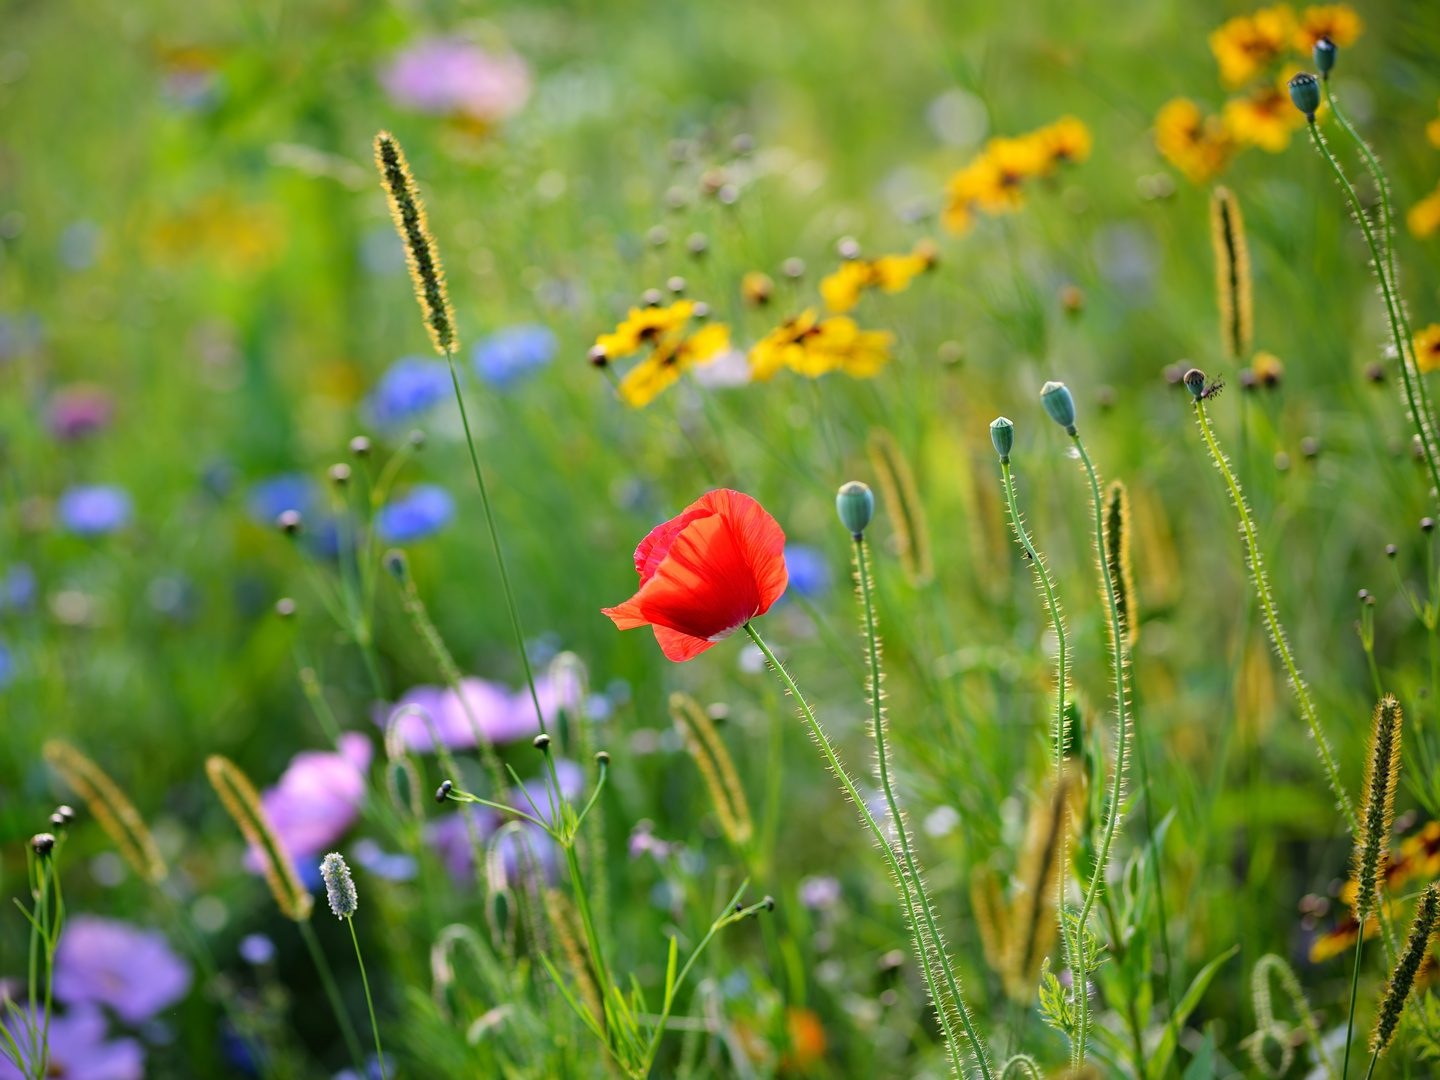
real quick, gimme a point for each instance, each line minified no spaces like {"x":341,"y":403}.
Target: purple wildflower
{"x":79,"y":410}
{"x":817,"y":893}
{"x":395,"y":866}
{"x":507,"y":356}
{"x":451,"y":75}
{"x":112,"y":962}
{"x":257,"y":949}
{"x":504,"y":716}
{"x":424,"y":510}
{"x":79,"y":1049}
{"x":94,"y":510}
{"x":317,"y":798}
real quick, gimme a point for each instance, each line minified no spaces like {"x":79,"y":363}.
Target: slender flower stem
{"x":1422,"y":418}
{"x":332,"y":991}
{"x":976,"y":1045}
{"x":1272,"y":620}
{"x":1354,"y":992}
{"x":374,"y":1027}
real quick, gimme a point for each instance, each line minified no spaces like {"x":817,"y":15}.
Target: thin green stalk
{"x":1374,"y":1057}
{"x":1354,"y":992}
{"x":332,"y":991}
{"x":1272,"y":619}
{"x":374,"y":1027}
{"x":877,"y":719}
{"x":1423,"y":419}
{"x":976,"y":1045}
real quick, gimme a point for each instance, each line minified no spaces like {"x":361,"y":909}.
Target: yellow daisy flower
{"x":1196,"y":144}
{"x":893,"y":273}
{"x":1427,"y":348}
{"x":813,"y":348}
{"x":644,"y":325}
{"x":1338,"y":22}
{"x":672,"y":356}
{"x":841,"y":290}
{"x":1247,"y":44}
{"x":781,"y":347}
{"x":1424,"y":217}
{"x":756,"y":287}
{"x":1012,"y":162}
{"x":1066,"y":140}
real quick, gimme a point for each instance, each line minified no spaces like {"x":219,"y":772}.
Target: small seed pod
{"x":676,"y":284}
{"x":1391,"y":551}
{"x":396,"y":564}
{"x":289,"y":522}
{"x":1363,"y":595}
{"x":658,"y":236}
{"x":1305,"y":93}
{"x":339,"y":888}
{"x":701,"y":310}
{"x":697,"y":244}
{"x":651,"y":297}
{"x":43,"y":844}
{"x":855,"y":503}
{"x":360,"y":446}
{"x":1375,"y":371}
{"x":1427,"y":525}
{"x":847,"y":247}
{"x":1324,"y":53}
{"x":443,"y":791}
{"x":340,"y":474}
{"x":598,"y":355}
{"x":1002,"y":434}
{"x":417,"y":438}
{"x":602,"y":758}
{"x":1195,"y":382}
{"x":57,"y":821}
{"x":793,"y":267}
{"x":542,"y":741}
{"x":1056,"y":398}
{"x":769,"y":903}
{"x":285,"y":607}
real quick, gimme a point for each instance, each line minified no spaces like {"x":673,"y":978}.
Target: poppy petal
{"x":652,"y":550}
{"x":680,"y":647}
{"x":627,"y":616}
{"x":761,"y":540}
{"x":704,"y":586}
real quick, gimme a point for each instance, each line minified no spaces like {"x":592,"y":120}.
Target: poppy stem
{"x":957,"y":1000}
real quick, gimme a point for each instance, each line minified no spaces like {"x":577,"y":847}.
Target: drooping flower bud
{"x":1324,"y":53}
{"x":1305,"y":93}
{"x":1002,"y":434}
{"x":855,"y":503}
{"x":443,"y":791}
{"x":1195,"y":382}
{"x":339,"y":888}
{"x":43,"y":844}
{"x":1055,"y":396}
{"x":542,"y":741}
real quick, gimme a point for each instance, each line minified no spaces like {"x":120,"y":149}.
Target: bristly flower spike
{"x":1378,"y":806}
{"x":1232,"y":273}
{"x":420,"y":252}
{"x":1402,"y":980}
{"x":339,"y":887}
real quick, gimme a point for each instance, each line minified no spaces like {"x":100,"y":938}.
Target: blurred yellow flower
{"x":1424,"y":217}
{"x":811,"y":347}
{"x":756,"y":287}
{"x":1265,"y":117}
{"x":672,"y":356}
{"x":1245,"y":45}
{"x":994,"y":181}
{"x":1338,"y":22}
{"x":1432,"y":132}
{"x":841,"y":290}
{"x":1066,"y":140}
{"x":893,"y":273}
{"x":643,"y":325}
{"x":890,"y":273}
{"x":781,"y":347}
{"x":1267,"y":368}
{"x":1196,"y":144}
{"x":1012,"y":162}
{"x":1427,"y":348}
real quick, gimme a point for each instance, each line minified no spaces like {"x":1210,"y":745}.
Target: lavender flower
{"x":112,"y":962}
{"x":317,"y":799}
{"x":94,"y":510}
{"x":410,"y":386}
{"x":504,"y":716}
{"x":79,"y":1049}
{"x":80,"y":410}
{"x":507,"y":356}
{"x":421,"y":512}
{"x":818,"y":893}
{"x":809,"y":572}
{"x":451,"y":75}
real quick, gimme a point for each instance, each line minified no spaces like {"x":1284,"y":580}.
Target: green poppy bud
{"x":856,"y":506}
{"x":1305,"y":93}
{"x":1325,"y":51}
{"x":1002,"y":434}
{"x":1055,"y":396}
{"x":1195,"y":382}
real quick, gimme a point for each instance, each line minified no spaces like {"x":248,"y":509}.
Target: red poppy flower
{"x":706,"y":573}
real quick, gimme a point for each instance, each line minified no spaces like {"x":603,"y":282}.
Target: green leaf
{"x":1202,"y":1067}
{"x":1165,"y":1050}
{"x":670,"y":973}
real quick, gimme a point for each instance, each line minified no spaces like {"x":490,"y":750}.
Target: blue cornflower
{"x":409,"y":386}
{"x":808,"y":570}
{"x":507,"y":356}
{"x":425,"y":509}
{"x":7,"y":665}
{"x":18,"y":591}
{"x":93,"y":510}
{"x":271,"y":497}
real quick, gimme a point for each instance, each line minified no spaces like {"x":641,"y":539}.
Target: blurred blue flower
{"x":7,"y":665}
{"x":381,"y":863}
{"x":18,"y":591}
{"x":808,"y":570}
{"x":424,"y":510}
{"x":271,"y":497}
{"x":80,"y":245}
{"x":257,"y":949}
{"x":93,"y":510}
{"x":382,"y":251}
{"x":507,"y":356}
{"x":19,"y":334}
{"x":409,"y":386}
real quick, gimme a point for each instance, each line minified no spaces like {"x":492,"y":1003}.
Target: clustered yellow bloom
{"x":675,"y":350}
{"x":1427,"y":348}
{"x":994,"y":181}
{"x":889,"y":273}
{"x":811,"y":346}
{"x":1424,"y":217}
{"x":1246,"y":47}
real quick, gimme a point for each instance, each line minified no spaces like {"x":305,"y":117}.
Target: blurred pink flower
{"x":115,"y":963}
{"x":452,"y":75}
{"x":79,"y":410}
{"x":317,"y":798}
{"x":503,"y":715}
{"x":79,"y":1049}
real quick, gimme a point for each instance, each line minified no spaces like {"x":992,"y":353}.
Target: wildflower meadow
{"x":546,"y":540}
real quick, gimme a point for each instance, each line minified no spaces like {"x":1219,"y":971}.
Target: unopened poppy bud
{"x":1324,"y":54}
{"x":651,"y":298}
{"x":676,"y":284}
{"x":443,"y":791}
{"x":1305,"y":93}
{"x":1195,"y":382}
{"x":340,"y":474}
{"x":1002,"y":434}
{"x":289,"y":522}
{"x":285,"y":607}
{"x":1055,"y":396}
{"x":542,"y":741}
{"x":602,"y":758}
{"x":396,"y":564}
{"x":855,"y":503}
{"x":598,"y":355}
{"x":360,"y":446}
{"x":42,"y":844}
{"x":417,"y":438}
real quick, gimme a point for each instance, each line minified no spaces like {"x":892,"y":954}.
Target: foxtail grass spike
{"x":1117,"y":554}
{"x":111,"y":808}
{"x":716,"y":768}
{"x":1402,"y":979}
{"x":1232,"y":273}
{"x":242,"y":802}
{"x":421,"y":254}
{"x":339,"y":886}
{"x":902,"y":503}
{"x":1377,"y":809}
